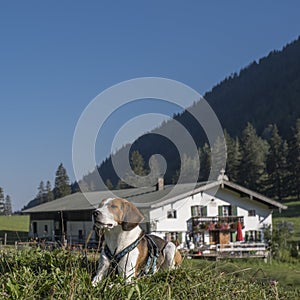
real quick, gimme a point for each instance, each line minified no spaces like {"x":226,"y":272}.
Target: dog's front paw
{"x":95,"y":281}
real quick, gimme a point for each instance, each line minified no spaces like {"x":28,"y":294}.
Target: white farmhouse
{"x":209,"y":213}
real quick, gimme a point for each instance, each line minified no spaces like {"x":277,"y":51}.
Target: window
{"x":172,"y":214}
{"x":57,"y":225}
{"x":46,"y":229}
{"x":199,"y":211}
{"x":34,"y":227}
{"x":153,"y":225}
{"x":253,"y":236}
{"x":174,"y":236}
{"x":251,"y":213}
{"x":227,"y":210}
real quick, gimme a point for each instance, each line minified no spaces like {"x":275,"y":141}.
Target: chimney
{"x":160,"y":184}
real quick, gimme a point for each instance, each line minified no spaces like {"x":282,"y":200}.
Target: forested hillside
{"x":265,"y":92}
{"x":259,"y":111}
{"x":258,"y":108}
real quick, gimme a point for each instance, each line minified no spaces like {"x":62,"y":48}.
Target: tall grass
{"x":37,"y":274}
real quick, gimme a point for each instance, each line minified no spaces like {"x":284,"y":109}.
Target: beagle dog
{"x":127,"y":249}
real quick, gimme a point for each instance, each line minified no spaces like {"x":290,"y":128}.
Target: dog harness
{"x":153,"y":254}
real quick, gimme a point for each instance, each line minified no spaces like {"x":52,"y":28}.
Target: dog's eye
{"x":113,"y":206}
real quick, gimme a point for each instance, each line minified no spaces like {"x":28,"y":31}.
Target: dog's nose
{"x":96,"y":213}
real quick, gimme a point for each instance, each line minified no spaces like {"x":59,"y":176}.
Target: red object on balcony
{"x":239,"y":234}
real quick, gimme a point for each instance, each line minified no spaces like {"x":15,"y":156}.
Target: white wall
{"x":41,"y":229}
{"x":73,"y":228}
{"x":183,"y":208}
{"x":263,"y":213}
{"x":223,"y":197}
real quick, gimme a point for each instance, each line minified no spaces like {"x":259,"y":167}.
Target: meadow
{"x":14,"y":223}
{"x":39,"y":274}
{"x":290,"y":215}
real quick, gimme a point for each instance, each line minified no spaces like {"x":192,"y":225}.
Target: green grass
{"x":296,"y":226}
{"x":14,"y":223}
{"x":37,"y":274}
{"x":286,"y":274}
{"x":292,"y":214}
{"x":292,"y":211}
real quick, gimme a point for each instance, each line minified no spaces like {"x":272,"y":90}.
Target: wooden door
{"x":214,"y":237}
{"x":224,"y":237}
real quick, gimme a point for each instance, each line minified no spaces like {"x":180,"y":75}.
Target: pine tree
{"x":49,"y":194}
{"x":158,"y":167}
{"x":137,"y":166}
{"x":41,"y":192}
{"x":294,"y":161}
{"x":205,"y":162}
{"x":122,"y":185}
{"x":7,"y":206}
{"x":62,"y":183}
{"x":109,"y":185}
{"x":277,"y":164}
{"x":254,"y":154}
{"x":218,"y":157}
{"x":2,"y":203}
{"x":188,"y":172}
{"x":137,"y":163}
{"x":234,"y":157}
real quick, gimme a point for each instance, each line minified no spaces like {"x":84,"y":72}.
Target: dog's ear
{"x":131,"y":217}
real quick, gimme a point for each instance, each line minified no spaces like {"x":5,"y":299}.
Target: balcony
{"x":218,"y":223}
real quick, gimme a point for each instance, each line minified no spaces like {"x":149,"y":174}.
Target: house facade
{"x":72,"y":226}
{"x":206,"y":219}
{"x":205,"y":214}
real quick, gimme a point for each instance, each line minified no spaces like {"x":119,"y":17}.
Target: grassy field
{"x":286,"y":274}
{"x":37,"y":274}
{"x":292,"y":214}
{"x":14,"y":223}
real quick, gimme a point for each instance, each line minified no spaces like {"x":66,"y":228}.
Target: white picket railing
{"x":242,"y":249}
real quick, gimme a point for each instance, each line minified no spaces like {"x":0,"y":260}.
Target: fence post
{"x":5,"y":238}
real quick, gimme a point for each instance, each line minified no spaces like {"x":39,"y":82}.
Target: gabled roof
{"x":148,"y":197}
{"x":223,"y":184}
{"x":77,"y":201}
{"x":252,"y":195}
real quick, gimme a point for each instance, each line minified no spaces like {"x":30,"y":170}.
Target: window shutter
{"x":220,"y":208}
{"x":204,"y":211}
{"x":180,"y":236}
{"x":233,"y":210}
{"x":194,"y":211}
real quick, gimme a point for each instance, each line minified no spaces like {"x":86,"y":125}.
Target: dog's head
{"x":117,"y":211}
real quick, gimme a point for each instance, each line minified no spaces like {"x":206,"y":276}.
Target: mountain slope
{"x":265,"y":92}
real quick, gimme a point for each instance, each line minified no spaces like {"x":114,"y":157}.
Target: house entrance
{"x":219,"y":237}
{"x":214,"y":237}
{"x":224,"y":237}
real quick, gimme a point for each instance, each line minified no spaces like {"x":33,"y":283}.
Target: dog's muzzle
{"x":98,"y":224}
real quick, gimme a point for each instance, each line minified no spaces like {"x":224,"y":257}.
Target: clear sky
{"x":56,"y":56}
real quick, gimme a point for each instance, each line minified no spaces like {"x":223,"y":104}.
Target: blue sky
{"x":56,"y":56}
